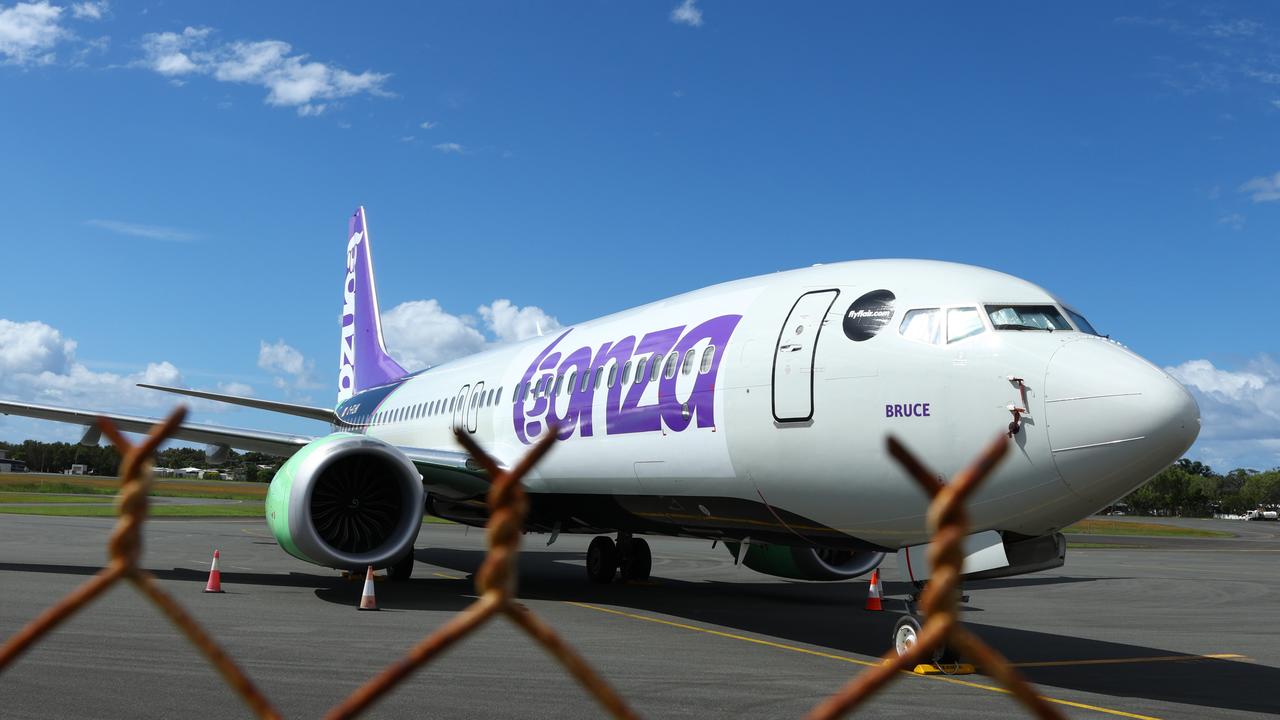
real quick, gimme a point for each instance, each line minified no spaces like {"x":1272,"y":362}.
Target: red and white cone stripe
{"x":874,"y":593}
{"x":215,"y":576}
{"x":367,"y":600}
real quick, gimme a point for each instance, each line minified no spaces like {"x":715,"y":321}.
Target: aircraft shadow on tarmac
{"x":825,"y":616}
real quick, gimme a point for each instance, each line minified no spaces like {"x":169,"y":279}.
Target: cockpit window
{"x":963,"y":323}
{"x":1027,"y":317}
{"x":1081,"y":324}
{"x":923,"y":325}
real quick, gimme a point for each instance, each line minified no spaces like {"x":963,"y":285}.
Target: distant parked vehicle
{"x":1262,"y":515}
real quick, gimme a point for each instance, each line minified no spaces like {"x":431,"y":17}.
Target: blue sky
{"x":179,"y":177}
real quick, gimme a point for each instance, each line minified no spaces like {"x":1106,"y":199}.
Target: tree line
{"x":1192,"y":489}
{"x":57,"y":457}
{"x":1188,"y":487}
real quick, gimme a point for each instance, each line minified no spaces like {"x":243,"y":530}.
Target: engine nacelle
{"x":807,"y":563}
{"x":346,"y":501}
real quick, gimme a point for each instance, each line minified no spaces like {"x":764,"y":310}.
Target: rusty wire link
{"x":496,"y":587}
{"x":948,"y":525}
{"x":123,"y":550}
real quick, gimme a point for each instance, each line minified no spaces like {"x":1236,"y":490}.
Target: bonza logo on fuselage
{"x":674,"y":409}
{"x":347,"y":366}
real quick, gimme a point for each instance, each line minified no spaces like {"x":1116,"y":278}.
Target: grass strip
{"x":1138,"y":528}
{"x":245,"y":510}
{"x":47,"y":499}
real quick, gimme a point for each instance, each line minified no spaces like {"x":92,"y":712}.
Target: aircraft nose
{"x":1113,"y":418}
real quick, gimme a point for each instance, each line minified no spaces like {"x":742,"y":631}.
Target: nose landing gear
{"x":605,"y":558}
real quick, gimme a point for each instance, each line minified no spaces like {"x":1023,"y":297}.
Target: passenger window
{"x":963,"y":323}
{"x":687,"y":366}
{"x":708,"y":359}
{"x":613,"y":373}
{"x":569,"y":386}
{"x":452,"y":402}
{"x":556,"y":390}
{"x":640,"y":365}
{"x":669,"y":369}
{"x":586,"y":381}
{"x":626,"y":373}
{"x":599,"y":375}
{"x":497,"y":397}
{"x":922,"y":326}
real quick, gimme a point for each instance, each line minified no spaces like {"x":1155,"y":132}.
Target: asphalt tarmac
{"x":1140,"y":628}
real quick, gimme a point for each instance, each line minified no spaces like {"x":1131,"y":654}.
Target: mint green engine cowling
{"x":346,"y":501}
{"x":807,"y":563}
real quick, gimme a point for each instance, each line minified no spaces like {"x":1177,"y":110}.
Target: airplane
{"x":752,"y":413}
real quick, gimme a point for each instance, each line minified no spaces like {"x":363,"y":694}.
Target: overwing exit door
{"x":793,"y":356}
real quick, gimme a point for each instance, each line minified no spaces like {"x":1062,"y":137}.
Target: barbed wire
{"x":496,"y":587}
{"x":948,"y":525}
{"x":123,"y":550}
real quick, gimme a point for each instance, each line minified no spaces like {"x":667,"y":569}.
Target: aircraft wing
{"x":450,"y":472}
{"x":263,"y":441}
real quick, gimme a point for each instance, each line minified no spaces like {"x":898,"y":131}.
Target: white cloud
{"x":33,"y":347}
{"x":280,"y":357}
{"x":428,"y":125}
{"x":1240,"y":412}
{"x":421,"y":333}
{"x":1235,"y":221}
{"x":90,"y":10}
{"x":450,"y":147}
{"x":149,"y":232}
{"x":408,"y":139}
{"x":1263,"y":188}
{"x":29,"y":31}
{"x":38,"y":364}
{"x":687,"y":14}
{"x":291,"y":371}
{"x":1234,"y":28}
{"x":291,"y":79}
{"x":235,"y":388}
{"x":510,"y":323}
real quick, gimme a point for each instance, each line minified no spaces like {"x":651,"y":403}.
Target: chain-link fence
{"x":496,"y":588}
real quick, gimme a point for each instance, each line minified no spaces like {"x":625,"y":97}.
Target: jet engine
{"x":346,"y":501}
{"x":808,"y":563}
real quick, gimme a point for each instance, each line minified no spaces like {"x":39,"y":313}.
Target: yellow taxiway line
{"x":867,"y":663}
{"x":1122,"y":661}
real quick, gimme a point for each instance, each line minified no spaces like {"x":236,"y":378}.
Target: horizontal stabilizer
{"x":306,"y":411}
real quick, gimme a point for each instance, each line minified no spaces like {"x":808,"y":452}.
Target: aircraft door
{"x":459,"y":408}
{"x":793,"y":356}
{"x":473,"y":407}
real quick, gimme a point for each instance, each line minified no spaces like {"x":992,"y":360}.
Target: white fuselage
{"x":811,"y":371}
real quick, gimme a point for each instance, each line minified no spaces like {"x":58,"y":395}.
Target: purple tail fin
{"x":363,"y":362}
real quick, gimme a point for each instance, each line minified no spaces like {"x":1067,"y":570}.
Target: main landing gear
{"x":402,"y":568}
{"x":630,"y":555}
{"x":906,"y":632}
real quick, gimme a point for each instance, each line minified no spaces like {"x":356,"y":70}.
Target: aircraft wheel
{"x":602,"y":560}
{"x":905,"y":634}
{"x":402,"y":569}
{"x":637,"y":561}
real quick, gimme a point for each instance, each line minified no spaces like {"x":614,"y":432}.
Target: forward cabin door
{"x":793,"y":356}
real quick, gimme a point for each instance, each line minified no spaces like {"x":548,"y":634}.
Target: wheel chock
{"x":945,"y":669}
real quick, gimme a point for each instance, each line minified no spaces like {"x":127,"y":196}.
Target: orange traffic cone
{"x":215,"y":576}
{"x":367,"y":601}
{"x":873,"y":592}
